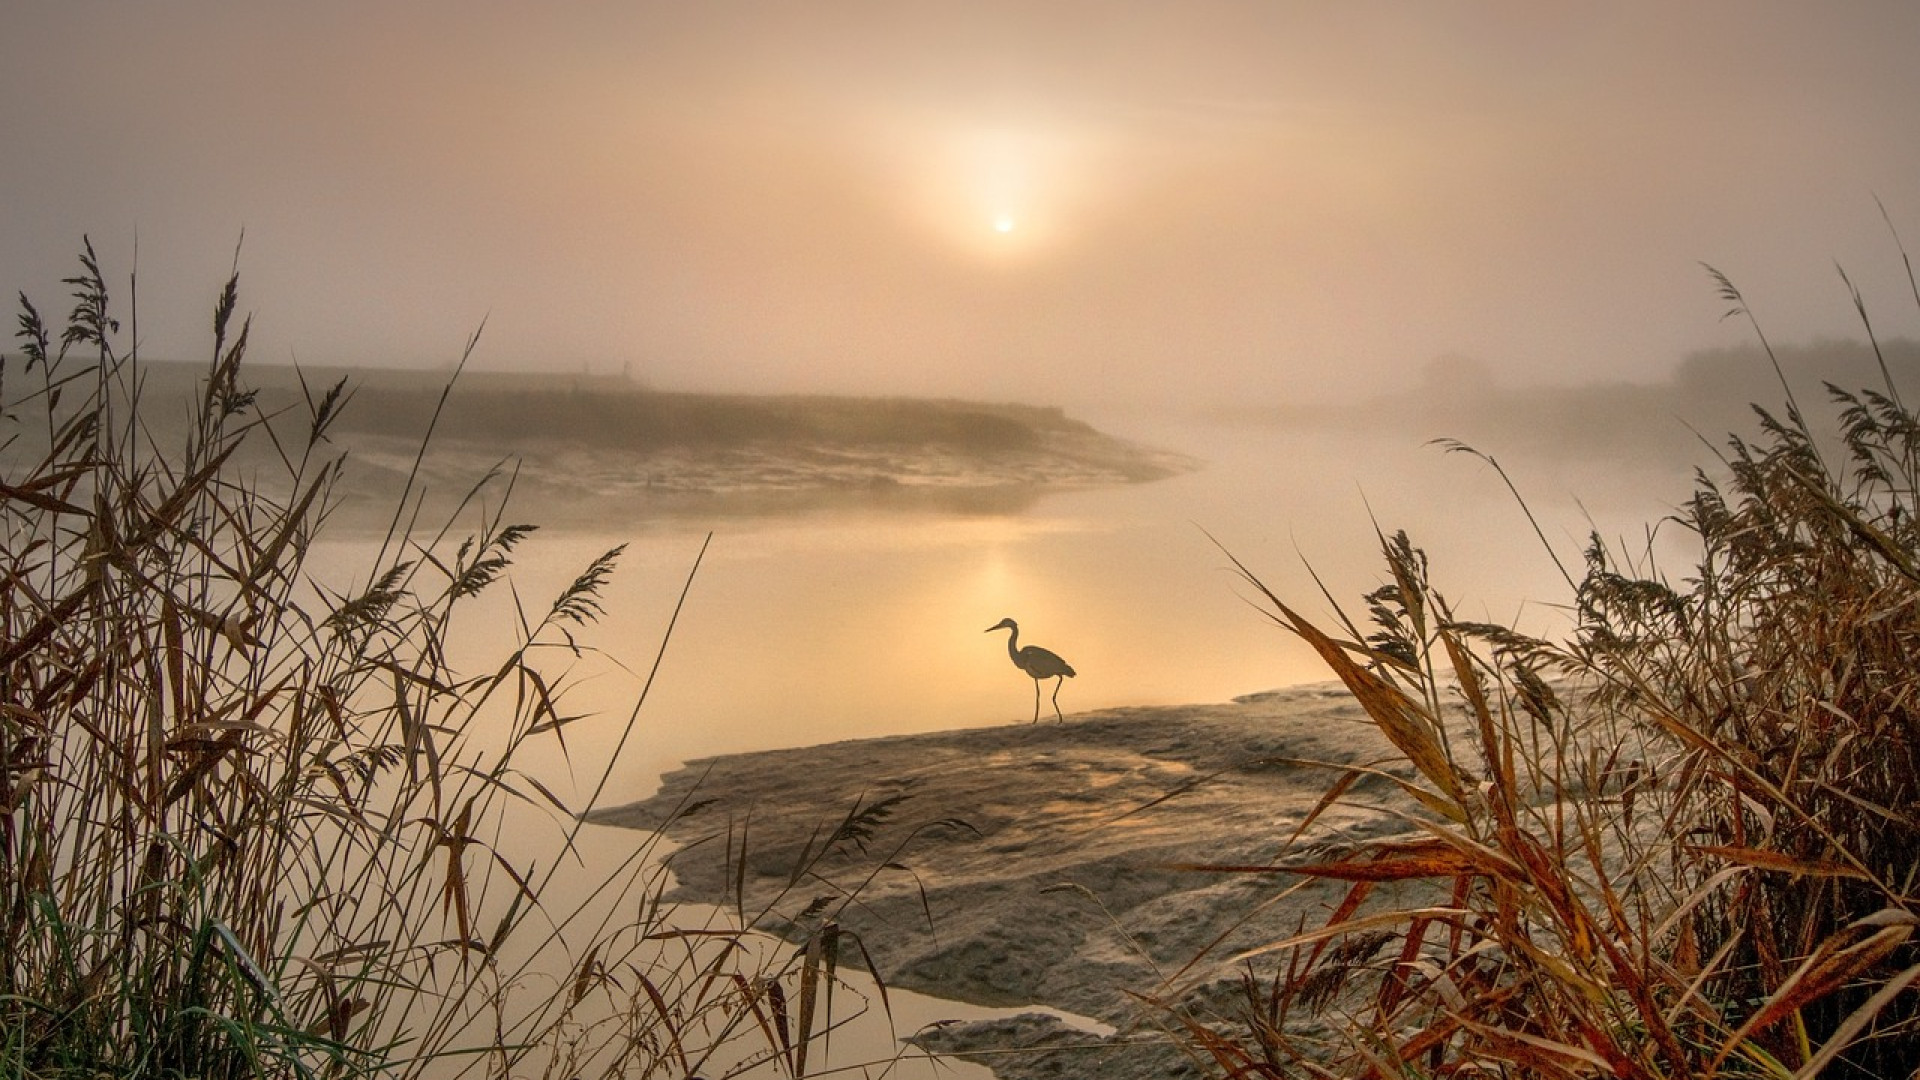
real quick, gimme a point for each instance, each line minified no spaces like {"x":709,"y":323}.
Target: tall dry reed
{"x":1682,"y":842}
{"x":251,"y":826}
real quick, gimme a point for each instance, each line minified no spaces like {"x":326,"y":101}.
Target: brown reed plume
{"x":1681,"y":842}
{"x":251,"y":823}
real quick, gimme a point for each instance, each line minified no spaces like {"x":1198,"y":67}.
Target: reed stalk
{"x":1680,"y":842}
{"x":255,"y":826}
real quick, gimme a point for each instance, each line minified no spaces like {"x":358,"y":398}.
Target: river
{"x":829,"y":626}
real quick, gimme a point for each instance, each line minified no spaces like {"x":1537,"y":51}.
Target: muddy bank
{"x":1046,"y":864}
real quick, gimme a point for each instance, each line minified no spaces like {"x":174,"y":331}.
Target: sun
{"x":997,"y":192}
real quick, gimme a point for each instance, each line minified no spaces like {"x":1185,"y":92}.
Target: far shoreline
{"x":599,"y":450}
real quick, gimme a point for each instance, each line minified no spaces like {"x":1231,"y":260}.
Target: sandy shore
{"x":1064,"y":885}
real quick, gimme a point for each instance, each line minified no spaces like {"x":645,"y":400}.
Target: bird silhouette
{"x":1038,"y":663}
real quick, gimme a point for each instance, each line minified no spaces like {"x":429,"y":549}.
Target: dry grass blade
{"x":1382,"y":920}
{"x":1856,"y":1022}
{"x":239,"y":811}
{"x":1691,"y":854}
{"x":1830,"y":967}
{"x":1328,"y":799}
{"x":1764,"y":859}
{"x":1380,"y":861}
{"x":1396,"y":715}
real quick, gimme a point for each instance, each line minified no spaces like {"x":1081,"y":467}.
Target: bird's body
{"x":1039,"y":664}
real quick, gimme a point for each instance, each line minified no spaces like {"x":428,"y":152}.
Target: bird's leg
{"x":1036,"y":701}
{"x":1058,"y":682}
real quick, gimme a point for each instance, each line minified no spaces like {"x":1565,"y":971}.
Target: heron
{"x":1038,"y":663}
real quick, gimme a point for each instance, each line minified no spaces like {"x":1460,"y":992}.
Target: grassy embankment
{"x":600,"y":450}
{"x":254,"y":826}
{"x":1696,"y":858}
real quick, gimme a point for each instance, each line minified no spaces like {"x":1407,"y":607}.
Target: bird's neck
{"x":1013,"y":641}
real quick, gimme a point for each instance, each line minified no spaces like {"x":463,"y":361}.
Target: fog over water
{"x":1078,"y":203}
{"x":830,"y":626}
{"x":1299,"y":241}
{"x":1178,"y":221}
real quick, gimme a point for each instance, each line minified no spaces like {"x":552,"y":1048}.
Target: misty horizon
{"x":635,"y":396}
{"x":1076,"y":204}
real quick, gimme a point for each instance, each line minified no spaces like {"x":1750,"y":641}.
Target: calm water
{"x":827,"y":627}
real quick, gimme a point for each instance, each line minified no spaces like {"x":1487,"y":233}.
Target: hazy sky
{"x":1045,"y":200}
